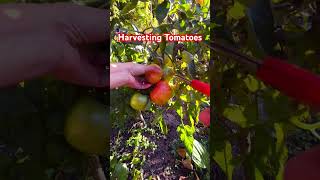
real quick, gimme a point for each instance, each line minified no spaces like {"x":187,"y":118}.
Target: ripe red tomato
{"x":204,"y":117}
{"x":153,"y":76}
{"x":161,"y":94}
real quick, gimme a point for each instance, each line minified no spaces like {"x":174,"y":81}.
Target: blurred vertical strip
{"x":107,"y":165}
{"x":105,"y":160}
{"x":211,"y":63}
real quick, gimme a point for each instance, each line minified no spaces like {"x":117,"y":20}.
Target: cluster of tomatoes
{"x":160,"y":94}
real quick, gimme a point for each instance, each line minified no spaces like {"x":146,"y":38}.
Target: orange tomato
{"x":161,"y":94}
{"x":154,"y":76}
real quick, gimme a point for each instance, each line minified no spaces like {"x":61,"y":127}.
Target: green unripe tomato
{"x":139,"y":101}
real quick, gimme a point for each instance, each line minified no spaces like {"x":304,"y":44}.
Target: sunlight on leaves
{"x":235,"y":114}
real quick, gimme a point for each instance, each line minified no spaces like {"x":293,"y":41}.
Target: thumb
{"x":134,"y":83}
{"x":85,"y":24}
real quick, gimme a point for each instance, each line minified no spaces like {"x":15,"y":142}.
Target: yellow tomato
{"x":87,"y":128}
{"x":139,"y":102}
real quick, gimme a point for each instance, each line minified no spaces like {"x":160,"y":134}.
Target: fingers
{"x":89,"y":24}
{"x":133,"y":68}
{"x":139,"y":69}
{"x":132,"y":71}
{"x":83,"y":74}
{"x":135,"y":84}
{"x":153,"y":68}
{"x":119,"y":67}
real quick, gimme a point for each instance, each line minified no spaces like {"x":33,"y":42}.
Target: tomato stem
{"x":311,"y":127}
{"x":315,"y":133}
{"x":183,"y":78}
{"x":142,"y":119}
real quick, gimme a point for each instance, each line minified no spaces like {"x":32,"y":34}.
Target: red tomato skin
{"x":161,"y":94}
{"x":153,"y":76}
{"x":204,"y":117}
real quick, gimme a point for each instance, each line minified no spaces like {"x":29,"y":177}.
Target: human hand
{"x":59,"y":39}
{"x":127,"y":74}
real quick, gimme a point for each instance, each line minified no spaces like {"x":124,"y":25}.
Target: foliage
{"x":159,"y":17}
{"x":124,"y":163}
{"x":256,"y":118}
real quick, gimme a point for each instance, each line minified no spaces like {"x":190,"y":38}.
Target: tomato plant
{"x":252,"y":120}
{"x":171,"y":94}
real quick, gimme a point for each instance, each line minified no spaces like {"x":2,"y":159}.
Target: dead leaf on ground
{"x":187,"y":163}
{"x":182,"y":152}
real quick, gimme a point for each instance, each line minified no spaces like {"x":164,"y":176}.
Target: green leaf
{"x":192,"y":69}
{"x":223,"y":159}
{"x":282,"y":162}
{"x":258,"y":175}
{"x":235,"y":114}
{"x":179,"y":110}
{"x":135,"y":161}
{"x":252,"y":83}
{"x":163,"y":46}
{"x":136,"y":174}
{"x":187,"y":57}
{"x":237,"y":11}
{"x":162,"y":10}
{"x":130,"y":6}
{"x":186,"y":136}
{"x":121,"y":171}
{"x":281,"y":148}
{"x":200,"y":155}
{"x":163,"y":125}
{"x":279,"y":135}
{"x":113,"y":162}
